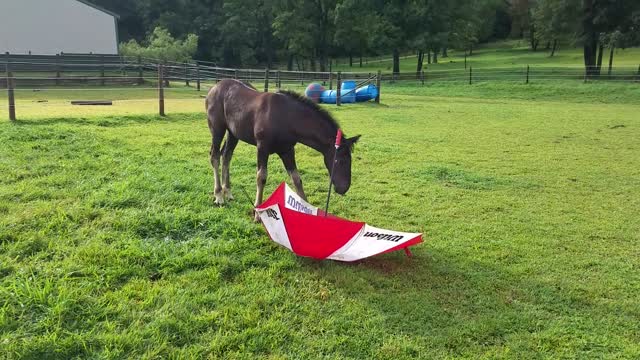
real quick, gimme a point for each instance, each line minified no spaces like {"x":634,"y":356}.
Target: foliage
{"x":161,"y":45}
{"x":251,"y":33}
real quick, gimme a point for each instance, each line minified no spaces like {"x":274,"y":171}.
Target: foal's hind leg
{"x":215,"y":163}
{"x":289,"y":161}
{"x":227,"y":152}
{"x":261,"y":177}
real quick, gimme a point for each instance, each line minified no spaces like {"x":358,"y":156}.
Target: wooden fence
{"x":28,"y":72}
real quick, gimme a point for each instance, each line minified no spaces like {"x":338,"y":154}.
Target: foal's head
{"x":342,"y":168}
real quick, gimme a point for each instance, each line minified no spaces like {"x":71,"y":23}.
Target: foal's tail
{"x":214,"y":106}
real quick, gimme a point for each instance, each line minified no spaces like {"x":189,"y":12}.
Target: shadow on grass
{"x":445,"y":299}
{"x":112,"y":121}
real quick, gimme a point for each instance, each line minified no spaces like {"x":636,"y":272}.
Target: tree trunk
{"x":396,"y":61}
{"x":435,"y":57}
{"x":555,"y":46}
{"x":548,"y":45}
{"x":610,"y":60}
{"x":590,"y":38}
{"x":290,"y":63}
{"x":532,"y":38}
{"x":420,"y":58}
{"x":444,"y":52}
{"x":600,"y":51}
{"x":471,"y":50}
{"x":350,"y":60}
{"x":428,"y":56}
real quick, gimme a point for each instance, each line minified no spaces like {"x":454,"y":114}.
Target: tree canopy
{"x":305,"y":34}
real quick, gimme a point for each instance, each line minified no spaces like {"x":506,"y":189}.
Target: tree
{"x":306,"y":27}
{"x":162,"y":46}
{"x":247,"y":37}
{"x":554,"y":22}
{"x":352,"y":21}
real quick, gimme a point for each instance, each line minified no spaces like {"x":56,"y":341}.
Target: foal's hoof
{"x":219,"y":198}
{"x":227,"y":194}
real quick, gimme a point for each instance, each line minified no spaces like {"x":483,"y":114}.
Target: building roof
{"x":99,"y":8}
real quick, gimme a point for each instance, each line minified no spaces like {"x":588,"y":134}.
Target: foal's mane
{"x":324,"y":114}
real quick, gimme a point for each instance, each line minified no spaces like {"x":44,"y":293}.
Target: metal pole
{"x":161,"y":89}
{"x":338,"y":88}
{"x":266,"y":80}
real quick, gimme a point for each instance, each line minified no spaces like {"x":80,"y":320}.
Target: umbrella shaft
{"x":326,"y":208}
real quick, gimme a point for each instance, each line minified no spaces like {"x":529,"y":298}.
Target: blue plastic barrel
{"x":366,"y":93}
{"x":348,"y":92}
{"x":328,"y":97}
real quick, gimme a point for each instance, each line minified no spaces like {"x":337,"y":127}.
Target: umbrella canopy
{"x":303,"y":229}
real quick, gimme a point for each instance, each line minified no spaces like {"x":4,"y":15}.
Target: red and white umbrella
{"x":305,"y":230}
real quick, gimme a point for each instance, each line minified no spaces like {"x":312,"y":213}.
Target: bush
{"x":162,"y":46}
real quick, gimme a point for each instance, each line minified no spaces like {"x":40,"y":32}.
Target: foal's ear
{"x":352,"y":142}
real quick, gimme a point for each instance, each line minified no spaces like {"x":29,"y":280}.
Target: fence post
{"x":140,"y":71}
{"x":10,"y":93}
{"x":186,"y":73}
{"x":57,"y":69}
{"x":585,"y":74}
{"x":198,"y":76}
{"x":102,"y":70}
{"x":527,"y":74}
{"x":235,"y":74}
{"x":330,"y":74}
{"x":161,"y":89}
{"x":378,"y":82}
{"x":470,"y":74}
{"x":266,"y":80}
{"x":422,"y":77}
{"x":338,"y":88}
{"x":278,"y":84}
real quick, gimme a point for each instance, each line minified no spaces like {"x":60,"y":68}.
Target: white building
{"x":49,"y":27}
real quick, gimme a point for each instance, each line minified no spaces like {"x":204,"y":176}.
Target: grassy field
{"x":506,"y":54}
{"x":111,"y":247}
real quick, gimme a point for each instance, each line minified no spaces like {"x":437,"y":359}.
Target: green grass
{"x":506,"y":54}
{"x":110,"y":246}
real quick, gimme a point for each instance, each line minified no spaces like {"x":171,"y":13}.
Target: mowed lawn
{"x":111,"y":247}
{"x":510,"y":54}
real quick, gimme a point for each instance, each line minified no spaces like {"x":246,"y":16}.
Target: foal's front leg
{"x":289,"y":161}
{"x":261,"y":178}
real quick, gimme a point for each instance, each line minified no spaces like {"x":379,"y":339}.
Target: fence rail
{"x":68,"y":72}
